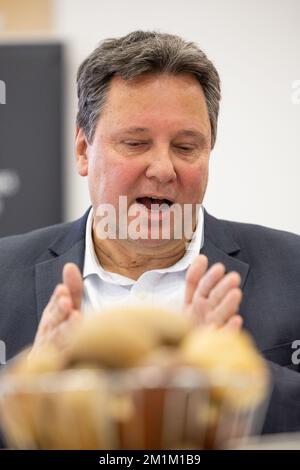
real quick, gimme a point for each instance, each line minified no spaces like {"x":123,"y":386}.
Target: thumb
{"x":72,"y":278}
{"x":234,"y":323}
{"x":193,"y":276}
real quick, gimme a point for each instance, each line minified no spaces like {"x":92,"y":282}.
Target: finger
{"x":64,"y":305}
{"x":72,"y":278}
{"x":50,"y":310}
{"x":227,"y":308}
{"x":198,"y":311}
{"x":209,"y":280}
{"x":62,"y":335}
{"x":193,"y":276}
{"x":60,"y":311}
{"x":74,"y":318}
{"x":234,"y":323}
{"x":59,"y":290}
{"x":229,"y":281}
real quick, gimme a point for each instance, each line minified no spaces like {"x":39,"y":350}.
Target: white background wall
{"x":255,"y":45}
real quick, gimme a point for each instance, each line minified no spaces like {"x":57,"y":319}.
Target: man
{"x":147,"y":120}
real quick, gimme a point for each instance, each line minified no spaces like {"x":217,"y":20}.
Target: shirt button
{"x":141,"y":295}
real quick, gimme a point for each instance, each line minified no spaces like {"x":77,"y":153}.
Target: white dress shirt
{"x":103,"y":289}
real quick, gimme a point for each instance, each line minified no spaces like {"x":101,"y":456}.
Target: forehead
{"x":154,"y":98}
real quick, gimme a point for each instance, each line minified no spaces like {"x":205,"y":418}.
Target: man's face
{"x":152,"y":140}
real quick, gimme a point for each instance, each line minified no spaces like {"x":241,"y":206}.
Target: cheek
{"x":194,"y":182}
{"x":111,"y":177}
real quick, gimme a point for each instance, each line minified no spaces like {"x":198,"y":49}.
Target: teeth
{"x":154,"y":197}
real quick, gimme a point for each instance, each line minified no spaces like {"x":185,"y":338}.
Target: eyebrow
{"x":134,"y":130}
{"x":182,"y":133}
{"x":192,"y":133}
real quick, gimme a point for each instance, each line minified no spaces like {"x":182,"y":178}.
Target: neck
{"x":130,"y":259}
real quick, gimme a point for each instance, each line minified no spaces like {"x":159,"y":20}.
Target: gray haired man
{"x":147,"y":120}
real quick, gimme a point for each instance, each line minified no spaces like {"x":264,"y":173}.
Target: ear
{"x":81,"y":146}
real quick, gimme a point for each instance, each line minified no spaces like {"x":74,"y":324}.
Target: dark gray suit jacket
{"x":267,"y":260}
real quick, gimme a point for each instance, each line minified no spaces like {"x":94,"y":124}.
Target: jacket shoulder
{"x":29,"y":248}
{"x":265,"y":248}
{"x":252,"y":241}
{"x":262,"y":236}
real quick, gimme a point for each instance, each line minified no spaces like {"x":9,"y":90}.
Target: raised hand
{"x":62,"y":311}
{"x":211,"y":296}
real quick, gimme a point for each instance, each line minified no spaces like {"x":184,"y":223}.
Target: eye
{"x":134,"y":143}
{"x":185,"y":147}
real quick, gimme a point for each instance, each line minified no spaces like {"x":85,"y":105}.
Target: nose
{"x":161,"y":167}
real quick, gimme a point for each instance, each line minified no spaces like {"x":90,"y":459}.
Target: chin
{"x":152,"y":243}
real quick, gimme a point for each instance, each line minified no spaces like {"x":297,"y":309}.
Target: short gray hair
{"x":135,"y":54}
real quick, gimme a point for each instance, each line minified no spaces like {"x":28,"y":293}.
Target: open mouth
{"x":154,"y":203}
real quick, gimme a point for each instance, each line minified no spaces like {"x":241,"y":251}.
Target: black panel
{"x":30,"y":137}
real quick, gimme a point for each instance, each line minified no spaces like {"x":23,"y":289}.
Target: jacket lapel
{"x":67,"y":248}
{"x":220,"y":246}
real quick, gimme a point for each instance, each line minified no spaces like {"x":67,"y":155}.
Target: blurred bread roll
{"x":111,"y":344}
{"x":231,"y":361}
{"x":120,"y":338}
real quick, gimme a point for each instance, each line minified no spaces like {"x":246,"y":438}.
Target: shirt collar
{"x":93,"y":267}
